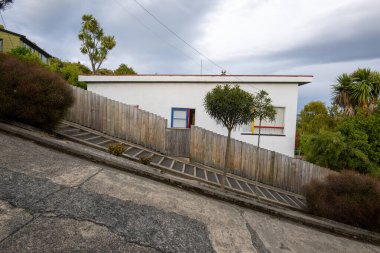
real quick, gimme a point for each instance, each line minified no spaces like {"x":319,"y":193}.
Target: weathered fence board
{"x":274,"y":169}
{"x":118,"y":119}
{"x":203,"y":146}
{"x":177,"y":142}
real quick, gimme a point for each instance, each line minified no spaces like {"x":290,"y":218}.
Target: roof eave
{"x":294,"y":79}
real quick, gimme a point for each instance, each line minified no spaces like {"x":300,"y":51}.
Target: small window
{"x":43,"y":58}
{"x":183,"y":117}
{"x":275,"y":127}
{"x":1,"y":45}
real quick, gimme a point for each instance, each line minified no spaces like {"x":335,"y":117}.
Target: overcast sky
{"x":320,"y":37}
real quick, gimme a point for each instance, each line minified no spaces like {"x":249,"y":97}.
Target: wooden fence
{"x":117,"y":119}
{"x":275,"y":169}
{"x":178,"y":142}
{"x":149,"y":130}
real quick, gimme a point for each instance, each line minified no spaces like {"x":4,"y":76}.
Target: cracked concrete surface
{"x":50,"y":200}
{"x":12,"y":219}
{"x":82,"y":236}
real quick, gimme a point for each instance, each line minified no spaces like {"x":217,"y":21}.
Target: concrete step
{"x":201,"y":173}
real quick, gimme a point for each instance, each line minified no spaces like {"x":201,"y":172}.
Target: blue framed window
{"x":180,"y":118}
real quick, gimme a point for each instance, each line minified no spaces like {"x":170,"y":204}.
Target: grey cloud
{"x":54,"y":25}
{"x":363,"y":45}
{"x":347,"y":34}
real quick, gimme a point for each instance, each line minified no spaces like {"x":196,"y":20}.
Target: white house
{"x":179,"y":98}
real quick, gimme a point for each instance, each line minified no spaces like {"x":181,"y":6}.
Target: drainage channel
{"x":235,"y":183}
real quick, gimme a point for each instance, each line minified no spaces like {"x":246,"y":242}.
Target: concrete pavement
{"x":50,"y":201}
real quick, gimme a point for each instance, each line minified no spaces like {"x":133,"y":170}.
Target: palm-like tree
{"x":365,"y":88}
{"x":342,"y":93}
{"x":360,"y":89}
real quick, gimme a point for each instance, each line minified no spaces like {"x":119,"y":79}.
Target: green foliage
{"x":313,"y":118}
{"x":94,"y":43}
{"x":69,"y":71}
{"x":4,"y":4}
{"x":263,"y":108}
{"x":123,"y":69}
{"x":360,"y":89}
{"x":31,"y":94}
{"x":346,"y":197}
{"x":324,"y":149}
{"x":229,"y":106}
{"x":116,"y":149}
{"x":26,"y":54}
{"x":342,"y":142}
{"x":104,"y":71}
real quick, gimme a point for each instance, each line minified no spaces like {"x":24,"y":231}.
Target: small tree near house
{"x":263,"y":110}
{"x":94,"y":43}
{"x":230,"y":107}
{"x":124,"y":69}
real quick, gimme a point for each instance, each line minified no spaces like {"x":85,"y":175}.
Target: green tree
{"x":366,"y":88}
{"x":230,"y":107}
{"x":4,"y":4}
{"x":353,"y":143}
{"x":313,"y":117}
{"x":324,"y":149}
{"x":359,"y":89}
{"x":262,"y":110}
{"x":94,"y":43}
{"x":123,"y":69}
{"x":104,"y":71}
{"x":26,"y":54}
{"x":69,"y":71}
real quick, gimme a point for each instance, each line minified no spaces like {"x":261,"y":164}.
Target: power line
{"x":176,"y":35}
{"x":2,"y":18}
{"x":180,"y":38}
{"x":159,"y":36}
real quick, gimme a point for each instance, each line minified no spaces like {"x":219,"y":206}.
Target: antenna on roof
{"x":223,"y":72}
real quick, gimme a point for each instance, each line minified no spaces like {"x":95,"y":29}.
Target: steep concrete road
{"x":53,"y":202}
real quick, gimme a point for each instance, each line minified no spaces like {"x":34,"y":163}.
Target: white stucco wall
{"x":161,"y":97}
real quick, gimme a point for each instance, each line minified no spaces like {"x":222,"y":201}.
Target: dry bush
{"x":31,"y":94}
{"x":116,"y":148}
{"x":146,"y":160}
{"x":347,"y":197}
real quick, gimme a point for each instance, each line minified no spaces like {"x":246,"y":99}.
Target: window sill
{"x":263,"y":134}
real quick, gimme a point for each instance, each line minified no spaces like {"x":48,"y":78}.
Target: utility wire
{"x":176,"y":35}
{"x":188,"y":44}
{"x":2,"y":18}
{"x":159,"y":36}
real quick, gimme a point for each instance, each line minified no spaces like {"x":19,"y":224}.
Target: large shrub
{"x":347,"y":197}
{"x":31,"y":94}
{"x":342,"y":142}
{"x":69,"y":71}
{"x":26,"y":54}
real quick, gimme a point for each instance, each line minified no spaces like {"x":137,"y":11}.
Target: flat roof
{"x":148,"y":78}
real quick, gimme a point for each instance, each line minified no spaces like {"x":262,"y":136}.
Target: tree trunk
{"x":93,"y":67}
{"x":226,"y":158}
{"x":257,"y":160}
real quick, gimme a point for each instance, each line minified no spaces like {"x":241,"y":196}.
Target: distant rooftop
{"x":27,"y":41}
